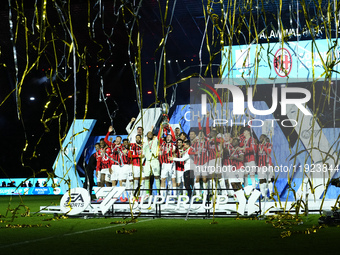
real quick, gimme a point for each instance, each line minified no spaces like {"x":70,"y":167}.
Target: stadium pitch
{"x":52,"y":234}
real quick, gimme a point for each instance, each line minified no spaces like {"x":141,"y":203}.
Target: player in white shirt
{"x":128,"y":129}
{"x":150,"y":152}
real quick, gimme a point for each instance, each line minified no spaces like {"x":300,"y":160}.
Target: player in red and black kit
{"x":265,"y":173}
{"x":201,"y":170}
{"x":177,"y":176}
{"x":249,"y":150}
{"x":137,"y":168}
{"x":125,"y":172}
{"x":103,"y":162}
{"x":124,"y":163}
{"x":167,"y":149}
{"x":236,"y":158}
{"x":235,"y":134}
{"x":227,"y":164}
{"x":115,"y":165}
{"x":196,"y":151}
{"x":215,"y":156}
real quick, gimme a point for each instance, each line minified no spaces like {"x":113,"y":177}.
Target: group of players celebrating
{"x":204,"y":162}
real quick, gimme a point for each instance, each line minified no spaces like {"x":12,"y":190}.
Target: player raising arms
{"x":167,"y":149}
{"x":103,"y":162}
{"x":115,"y":168}
{"x":129,"y":130}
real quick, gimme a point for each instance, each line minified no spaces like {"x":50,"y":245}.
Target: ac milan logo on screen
{"x":283,"y":62}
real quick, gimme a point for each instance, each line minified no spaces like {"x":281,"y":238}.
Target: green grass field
{"x":153,"y":236}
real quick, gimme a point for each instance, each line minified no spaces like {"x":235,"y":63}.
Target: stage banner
{"x":30,"y":191}
{"x":290,"y":60}
{"x":73,"y":145}
{"x":31,"y":186}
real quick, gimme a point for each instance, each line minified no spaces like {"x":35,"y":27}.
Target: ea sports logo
{"x":283,"y":62}
{"x":75,"y":201}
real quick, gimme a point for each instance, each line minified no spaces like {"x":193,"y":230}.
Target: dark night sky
{"x":183,"y":45}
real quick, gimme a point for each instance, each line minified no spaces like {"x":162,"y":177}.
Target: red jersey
{"x":226,"y":160}
{"x":213,"y":145}
{"x":202,"y":149}
{"x":214,"y":148}
{"x":114,"y":152}
{"x":241,"y":137}
{"x":264,"y":154}
{"x":136,"y":150}
{"x":103,"y":158}
{"x":179,"y":164}
{"x":125,"y":156}
{"x":117,"y":154}
{"x":194,"y":151}
{"x":166,"y":151}
{"x":251,"y":149}
{"x":236,"y":152}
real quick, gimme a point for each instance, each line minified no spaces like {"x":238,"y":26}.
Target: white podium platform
{"x":167,"y":208}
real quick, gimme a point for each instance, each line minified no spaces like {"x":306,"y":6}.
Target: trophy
{"x":165,"y":118}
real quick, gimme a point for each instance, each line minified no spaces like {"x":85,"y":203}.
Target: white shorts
{"x":178,"y":175}
{"x":250,"y":167}
{"x":115,"y":171}
{"x":151,"y":167}
{"x":201,"y":170}
{"x":136,"y":171}
{"x":236,"y":176}
{"x":105,"y":172}
{"x":167,"y":170}
{"x":125,"y":173}
{"x":265,"y":173}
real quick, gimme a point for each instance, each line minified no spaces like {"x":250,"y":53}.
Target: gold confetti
{"x":123,"y":231}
